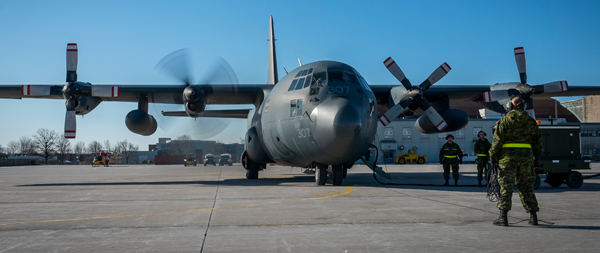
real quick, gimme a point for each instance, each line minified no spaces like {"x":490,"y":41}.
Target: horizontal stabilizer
{"x":233,"y":113}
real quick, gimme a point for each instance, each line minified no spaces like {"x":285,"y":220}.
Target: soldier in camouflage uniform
{"x":482,"y":148}
{"x":517,"y":147}
{"x":450,"y":155}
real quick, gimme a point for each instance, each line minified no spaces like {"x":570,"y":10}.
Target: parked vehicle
{"x":225,"y":159}
{"x":411,"y":157}
{"x":210,"y":159}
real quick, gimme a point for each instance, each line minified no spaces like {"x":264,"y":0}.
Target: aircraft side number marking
{"x":303,"y":132}
{"x":339,"y":89}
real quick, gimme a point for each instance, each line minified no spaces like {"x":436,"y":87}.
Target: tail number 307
{"x":303,"y":132}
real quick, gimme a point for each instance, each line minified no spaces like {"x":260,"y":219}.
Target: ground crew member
{"x":450,"y":155}
{"x":482,"y":148}
{"x":517,"y":148}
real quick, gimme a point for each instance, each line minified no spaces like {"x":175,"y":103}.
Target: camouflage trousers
{"x":482,"y":167}
{"x":524,"y":175}
{"x":447,"y":170}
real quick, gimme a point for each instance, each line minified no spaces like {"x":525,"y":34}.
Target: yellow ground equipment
{"x":190,"y":160}
{"x":102,"y":160}
{"x":411,"y":157}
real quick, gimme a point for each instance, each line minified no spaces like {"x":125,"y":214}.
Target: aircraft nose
{"x":339,"y":127}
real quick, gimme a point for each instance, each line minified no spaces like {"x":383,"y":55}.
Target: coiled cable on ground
{"x":493,"y":187}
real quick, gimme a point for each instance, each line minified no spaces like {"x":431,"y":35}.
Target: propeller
{"x":177,"y":64}
{"x":523,"y":89}
{"x":408,"y":98}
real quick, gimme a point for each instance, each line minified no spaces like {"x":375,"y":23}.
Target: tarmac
{"x":172,"y":208}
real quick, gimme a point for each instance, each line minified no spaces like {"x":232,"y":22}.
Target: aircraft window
{"x":293,"y":85}
{"x":336,"y":76}
{"x":304,"y":72}
{"x":299,"y":106}
{"x":293,"y":110}
{"x":318,"y":76}
{"x":300,"y":83}
{"x":299,"y":74}
{"x":308,"y":78}
{"x":309,"y":72}
{"x":351,"y":78}
{"x":364,"y":83}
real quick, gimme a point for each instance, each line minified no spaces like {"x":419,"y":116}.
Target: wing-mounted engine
{"x":455,"y":120}
{"x":500,"y":93}
{"x":194,"y":99}
{"x":80,"y":97}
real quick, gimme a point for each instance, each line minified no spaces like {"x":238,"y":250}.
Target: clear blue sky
{"x":120,"y":42}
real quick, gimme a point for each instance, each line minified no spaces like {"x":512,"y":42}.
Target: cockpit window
{"x":351,"y":78}
{"x":307,"y":83}
{"x":300,"y":83}
{"x":320,"y":76}
{"x":299,"y":74}
{"x":364,"y":83}
{"x":293,"y":85}
{"x":336,"y":76}
{"x":309,"y":72}
{"x":304,"y":72}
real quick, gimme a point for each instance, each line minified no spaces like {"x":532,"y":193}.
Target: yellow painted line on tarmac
{"x":348,"y":190}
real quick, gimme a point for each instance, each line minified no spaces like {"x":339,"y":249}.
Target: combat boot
{"x":455,"y":182}
{"x":445,"y":184}
{"x":480,"y":183}
{"x":533,"y":220}
{"x":502,"y":219}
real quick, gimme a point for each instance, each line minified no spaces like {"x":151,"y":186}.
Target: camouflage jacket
{"x":516,"y":127}
{"x":482,"y":147}
{"x":450,"y":150}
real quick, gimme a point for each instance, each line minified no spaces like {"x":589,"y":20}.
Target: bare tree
{"x":94,"y":147}
{"x":13,"y":147}
{"x":64,"y":147}
{"x":79,"y":147}
{"x":107,"y":146}
{"x":45,"y":141}
{"x":26,"y":146}
{"x":1,"y":149}
{"x":182,"y":145}
{"x":127,"y":149}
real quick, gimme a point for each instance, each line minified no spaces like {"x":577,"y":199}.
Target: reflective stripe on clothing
{"x":516,"y":145}
{"x":481,"y":155}
{"x":450,"y":156}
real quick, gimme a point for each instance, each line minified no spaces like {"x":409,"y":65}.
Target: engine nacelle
{"x":254,"y":148}
{"x":140,"y":122}
{"x":194,"y":100}
{"x":455,"y":119}
{"x":86,"y":104}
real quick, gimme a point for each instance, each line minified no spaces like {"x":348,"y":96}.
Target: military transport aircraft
{"x":321,"y":115}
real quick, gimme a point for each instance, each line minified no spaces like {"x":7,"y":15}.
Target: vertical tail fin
{"x":272,"y":69}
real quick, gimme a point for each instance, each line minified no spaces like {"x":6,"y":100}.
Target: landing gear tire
{"x":338,"y":174}
{"x":401,"y":161}
{"x":537,"y":183}
{"x":574,"y":179}
{"x":321,"y":174}
{"x":252,"y":171}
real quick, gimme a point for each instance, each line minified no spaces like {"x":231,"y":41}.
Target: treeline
{"x":46,"y":143}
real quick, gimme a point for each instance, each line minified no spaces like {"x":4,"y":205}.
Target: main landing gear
{"x":336,"y":172}
{"x":251,"y":167}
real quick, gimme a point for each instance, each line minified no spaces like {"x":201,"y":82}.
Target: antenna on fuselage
{"x":272,"y":68}
{"x":299,"y":62}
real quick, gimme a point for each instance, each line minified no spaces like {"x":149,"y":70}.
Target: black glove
{"x":460,"y":161}
{"x":536,"y":164}
{"x":441,"y":161}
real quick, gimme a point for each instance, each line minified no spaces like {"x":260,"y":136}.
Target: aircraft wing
{"x":167,"y":94}
{"x":475,"y":92}
{"x":233,"y":113}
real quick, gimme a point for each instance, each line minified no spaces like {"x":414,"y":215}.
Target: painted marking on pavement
{"x":348,"y":190}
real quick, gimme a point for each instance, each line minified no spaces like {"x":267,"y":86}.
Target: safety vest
{"x":516,"y":145}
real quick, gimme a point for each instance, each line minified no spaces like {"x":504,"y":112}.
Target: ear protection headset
{"x":510,"y":106}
